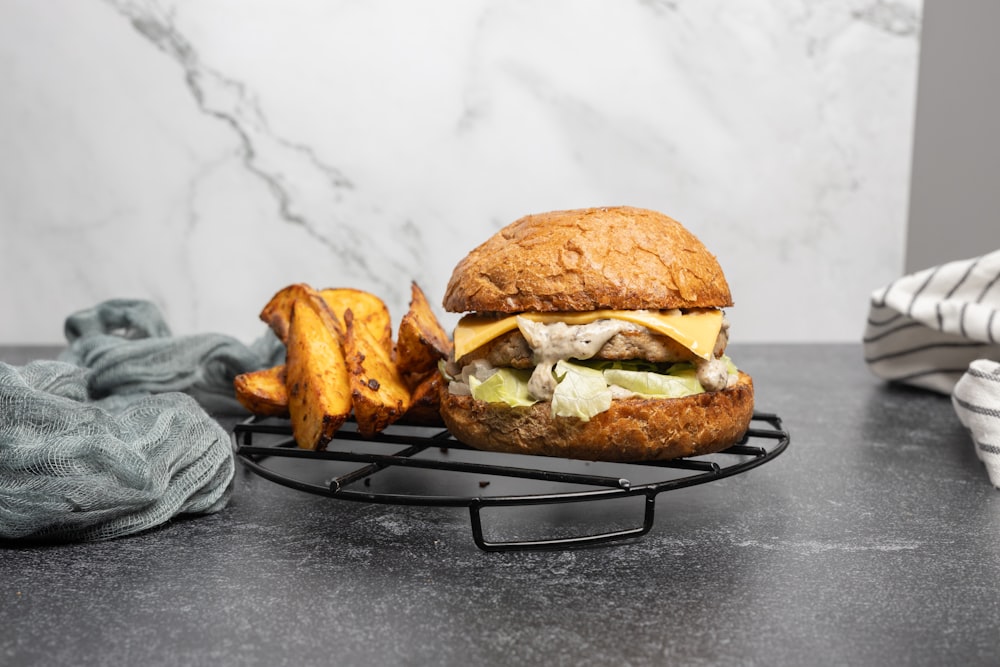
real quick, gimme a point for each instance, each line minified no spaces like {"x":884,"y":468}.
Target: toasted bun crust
{"x":587,"y":259}
{"x":635,"y":429}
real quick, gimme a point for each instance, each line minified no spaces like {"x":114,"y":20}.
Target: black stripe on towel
{"x":951,"y":292}
{"x":883,"y":334}
{"x":968,"y":270}
{"x":916,"y":295}
{"x":882,"y":323}
{"x":879,"y":301}
{"x":982,"y":295}
{"x":989,"y":449}
{"x":978,"y":409}
{"x":991,"y":377}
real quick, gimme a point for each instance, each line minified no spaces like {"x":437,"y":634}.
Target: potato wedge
{"x":277,"y":314}
{"x":263,"y":392}
{"x":378,"y":392}
{"x":319,"y":391}
{"x":341,"y":357}
{"x":367,"y":308}
{"x":421,"y":341}
{"x":425,"y":402}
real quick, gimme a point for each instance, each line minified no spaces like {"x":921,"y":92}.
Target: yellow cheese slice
{"x":696,"y":330}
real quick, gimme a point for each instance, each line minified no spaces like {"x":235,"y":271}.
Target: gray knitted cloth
{"x":115,"y":437}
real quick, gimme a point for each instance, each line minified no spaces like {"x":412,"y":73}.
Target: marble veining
{"x":203,"y":155}
{"x":307,"y":192}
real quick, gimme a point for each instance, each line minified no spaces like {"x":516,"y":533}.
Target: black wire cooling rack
{"x":412,"y":465}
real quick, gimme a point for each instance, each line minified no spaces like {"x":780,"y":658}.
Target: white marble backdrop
{"x":204,"y":153}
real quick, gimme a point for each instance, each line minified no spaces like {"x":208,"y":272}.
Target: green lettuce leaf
{"x":583,"y":388}
{"x":655,"y":385}
{"x":582,"y":392}
{"x":730,"y":366}
{"x":506,"y":385}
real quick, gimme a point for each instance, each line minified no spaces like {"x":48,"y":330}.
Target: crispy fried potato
{"x":341,"y":357}
{"x":263,"y":392}
{"x":421,"y":341}
{"x":278,"y":311}
{"x":425,"y":402}
{"x":367,"y":309}
{"x":378,"y":392}
{"x":319,"y":391}
{"x":277,"y":314}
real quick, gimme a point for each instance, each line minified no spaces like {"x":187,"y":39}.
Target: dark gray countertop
{"x":873,"y":540}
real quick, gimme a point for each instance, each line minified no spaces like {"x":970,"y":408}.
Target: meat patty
{"x":511,"y":349}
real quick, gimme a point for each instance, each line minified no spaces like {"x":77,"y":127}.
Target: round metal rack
{"x":414,"y":465}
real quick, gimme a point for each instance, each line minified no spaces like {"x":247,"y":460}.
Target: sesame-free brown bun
{"x":633,"y":429}
{"x":588,"y":259}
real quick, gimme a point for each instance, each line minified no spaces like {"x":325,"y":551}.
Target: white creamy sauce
{"x":551,"y":342}
{"x":713,"y":374}
{"x":479,"y":368}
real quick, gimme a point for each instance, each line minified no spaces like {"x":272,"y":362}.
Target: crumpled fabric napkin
{"x":129,"y":348}
{"x":114,"y":438}
{"x":939,"y":329}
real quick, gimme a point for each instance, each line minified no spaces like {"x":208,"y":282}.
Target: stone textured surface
{"x":873,"y":540}
{"x":205,"y":154}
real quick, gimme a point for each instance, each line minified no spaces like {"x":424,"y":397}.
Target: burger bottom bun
{"x":633,"y":429}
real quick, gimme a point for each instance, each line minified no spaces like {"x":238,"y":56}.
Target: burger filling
{"x":581,"y":368}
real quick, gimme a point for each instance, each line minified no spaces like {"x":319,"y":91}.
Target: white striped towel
{"x":939,"y":329}
{"x":977,"y":401}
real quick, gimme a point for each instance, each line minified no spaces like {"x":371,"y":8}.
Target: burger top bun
{"x":621,"y":258}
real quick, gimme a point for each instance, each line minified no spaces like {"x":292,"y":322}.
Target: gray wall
{"x":955,"y":194}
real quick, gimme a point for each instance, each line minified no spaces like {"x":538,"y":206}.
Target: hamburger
{"x":593,"y":334}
